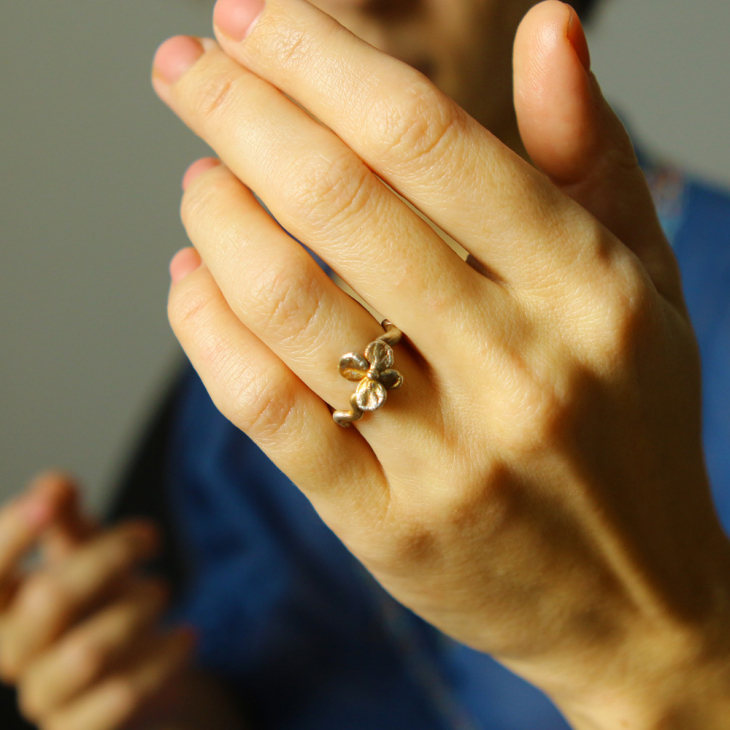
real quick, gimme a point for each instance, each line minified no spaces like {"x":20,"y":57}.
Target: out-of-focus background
{"x":91,"y":164}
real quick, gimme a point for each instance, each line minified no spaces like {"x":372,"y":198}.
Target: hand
{"x":536,"y":489}
{"x":78,"y":633}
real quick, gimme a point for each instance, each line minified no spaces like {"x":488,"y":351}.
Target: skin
{"x":536,"y":489}
{"x":457,"y":45}
{"x":79,"y":634}
{"x":545,"y":498}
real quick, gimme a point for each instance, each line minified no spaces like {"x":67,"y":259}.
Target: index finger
{"x":411,"y":134}
{"x":24,"y":519}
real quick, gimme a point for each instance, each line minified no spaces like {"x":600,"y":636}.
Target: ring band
{"x":374,"y":373}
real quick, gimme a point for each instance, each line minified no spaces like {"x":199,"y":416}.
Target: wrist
{"x":697,"y":698}
{"x":669,"y":674}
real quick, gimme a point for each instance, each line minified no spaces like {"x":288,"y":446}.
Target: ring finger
{"x":259,"y":394}
{"x":277,"y":290}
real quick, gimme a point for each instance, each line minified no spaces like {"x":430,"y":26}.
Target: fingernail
{"x":197,"y":169}
{"x":236,"y":18}
{"x":183,"y":263}
{"x":577,"y":37}
{"x":175,"y":56}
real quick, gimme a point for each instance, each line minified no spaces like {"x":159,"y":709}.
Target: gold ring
{"x":374,"y":373}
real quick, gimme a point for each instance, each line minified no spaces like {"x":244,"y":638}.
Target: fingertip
{"x":174,"y":56}
{"x":554,"y":93}
{"x":55,"y":479}
{"x":541,"y":34}
{"x":184,"y":262}
{"x":48,"y":494}
{"x":197,"y":169}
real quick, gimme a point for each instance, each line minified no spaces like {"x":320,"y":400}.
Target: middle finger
{"x":321,"y":192}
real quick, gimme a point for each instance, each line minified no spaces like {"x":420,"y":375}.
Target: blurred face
{"x":463,"y":46}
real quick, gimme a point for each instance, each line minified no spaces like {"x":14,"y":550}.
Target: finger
{"x":279,"y":293}
{"x":82,"y":656}
{"x":413,"y":136}
{"x":72,"y":528}
{"x":23,"y":520}
{"x":53,"y":600}
{"x":574,"y":136}
{"x":117,"y":699}
{"x":255,"y":390}
{"x":320,"y":191}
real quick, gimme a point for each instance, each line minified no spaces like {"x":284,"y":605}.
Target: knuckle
{"x":537,"y":404}
{"x":192,"y":314}
{"x":263,"y":403}
{"x":544,"y":418}
{"x":189,"y":309}
{"x":214,"y":98}
{"x":459,"y":513}
{"x":326,"y":190}
{"x":630,"y":317}
{"x":288,"y":44}
{"x":414,"y":543}
{"x":287,"y":301}
{"x":409,"y":129}
{"x":204,"y":207}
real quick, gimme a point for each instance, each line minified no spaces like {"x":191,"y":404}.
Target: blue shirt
{"x":302,"y":632}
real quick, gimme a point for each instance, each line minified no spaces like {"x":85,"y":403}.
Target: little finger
{"x":260,"y":395}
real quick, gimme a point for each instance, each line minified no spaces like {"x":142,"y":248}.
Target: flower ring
{"x":374,"y":371}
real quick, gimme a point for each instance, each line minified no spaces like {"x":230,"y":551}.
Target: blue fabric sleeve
{"x":702,"y":246}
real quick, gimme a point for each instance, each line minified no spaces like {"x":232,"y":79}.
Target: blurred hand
{"x":79,"y":633}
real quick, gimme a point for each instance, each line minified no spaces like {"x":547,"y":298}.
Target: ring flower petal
{"x":391,"y":379}
{"x":370,"y":395}
{"x":353,"y":366}
{"x":380,"y":355}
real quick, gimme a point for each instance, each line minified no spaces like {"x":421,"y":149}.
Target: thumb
{"x":572,"y":134}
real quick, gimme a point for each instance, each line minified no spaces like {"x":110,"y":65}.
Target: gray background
{"x":91,"y":165}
